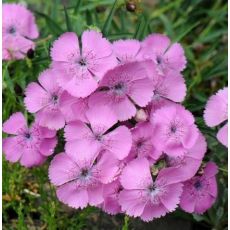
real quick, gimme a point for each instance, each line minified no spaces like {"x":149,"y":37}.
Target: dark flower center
{"x":82,"y":62}
{"x":173,"y":129}
{"x":159,"y":60}
{"x":84,"y":172}
{"x":54,"y":98}
{"x":98,"y":137}
{"x":27,"y":135}
{"x":119,"y":86}
{"x":152,"y":188}
{"x":198,"y":185}
{"x":12,"y":30}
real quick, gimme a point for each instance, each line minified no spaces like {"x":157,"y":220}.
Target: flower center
{"x":27,"y":135}
{"x":84,"y":172}
{"x":54,"y":99}
{"x":119,"y":88}
{"x":198,"y":185}
{"x":173,"y":129}
{"x":159,"y":60}
{"x":12,"y":30}
{"x":82,"y":62}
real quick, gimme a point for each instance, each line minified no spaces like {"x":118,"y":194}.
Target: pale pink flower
{"x":166,"y":55}
{"x":110,"y":194}
{"x":84,"y":65}
{"x":28,"y":145}
{"x":200,"y":192}
{"x":18,"y":29}
{"x":186,"y":166}
{"x":80,"y":176}
{"x":122,"y":88}
{"x":73,"y":108}
{"x":174,"y":130}
{"x":126,"y":50}
{"x":142,"y":145}
{"x":144,"y":197}
{"x":96,"y":133}
{"x":43,"y":99}
{"x":216,"y":112}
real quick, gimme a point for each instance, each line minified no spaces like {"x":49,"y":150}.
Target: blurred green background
{"x":29,"y":201}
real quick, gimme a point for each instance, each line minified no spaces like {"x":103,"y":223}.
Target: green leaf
{"x":140,"y":27}
{"x":126,"y":224}
{"x":77,"y":7}
{"x":67,"y":20}
{"x":108,"y":21}
{"x":53,"y":26}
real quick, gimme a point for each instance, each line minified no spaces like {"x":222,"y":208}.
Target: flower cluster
{"x":130,"y":146}
{"x":18,"y":30}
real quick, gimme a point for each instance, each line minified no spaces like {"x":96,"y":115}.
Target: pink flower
{"x":200,"y":192}
{"x":73,"y":108}
{"x":142,"y":143}
{"x":216,"y":112}
{"x":84,"y":66}
{"x":96,"y":133}
{"x":166,"y":56}
{"x":126,"y":50}
{"x":80,"y":176}
{"x":186,"y":166}
{"x":175,"y":131}
{"x":122,"y":88}
{"x":144,"y":197}
{"x":43,"y":99}
{"x":17,"y":33}
{"x":29,"y":146}
{"x":110,"y":194}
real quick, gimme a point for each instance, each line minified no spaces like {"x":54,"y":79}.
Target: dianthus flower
{"x":29,"y":146}
{"x":18,"y":29}
{"x":84,"y":64}
{"x":216,"y":112}
{"x":199,"y":193}
{"x":144,"y":196}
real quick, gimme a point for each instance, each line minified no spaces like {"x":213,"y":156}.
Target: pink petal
{"x":47,"y":146}
{"x":106,"y":168}
{"x":191,"y":137}
{"x":141,"y":91}
{"x":175,"y":56}
{"x":36,"y":98}
{"x":131,"y":202}
{"x":62,"y":169}
{"x":124,"y":109}
{"x":93,"y":41}
{"x":48,"y":80}
{"x":187,"y":202}
{"x":14,"y":124}
{"x":82,"y":86}
{"x":210,"y":170}
{"x":153,"y":211}
{"x":73,"y":196}
{"x":11,"y":149}
{"x":171,"y":198}
{"x":101,"y":116}
{"x":118,"y":142}
{"x":212,"y":115}
{"x":131,"y":178}
{"x":95,"y":195}
{"x":64,"y":46}
{"x":126,"y":50}
{"x":31,"y":157}
{"x":52,"y":119}
{"x":222,"y":135}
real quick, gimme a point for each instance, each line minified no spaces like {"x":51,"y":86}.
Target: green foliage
{"x":29,"y":201}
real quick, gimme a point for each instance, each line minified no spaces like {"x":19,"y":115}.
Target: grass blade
{"x":68,"y":22}
{"x":108,"y":21}
{"x":77,"y":7}
{"x":53,"y":26}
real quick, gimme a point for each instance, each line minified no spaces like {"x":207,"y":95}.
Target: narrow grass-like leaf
{"x":53,"y":26}
{"x":140,"y":27}
{"x":109,"y":19}
{"x":77,"y":7}
{"x":67,"y":21}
